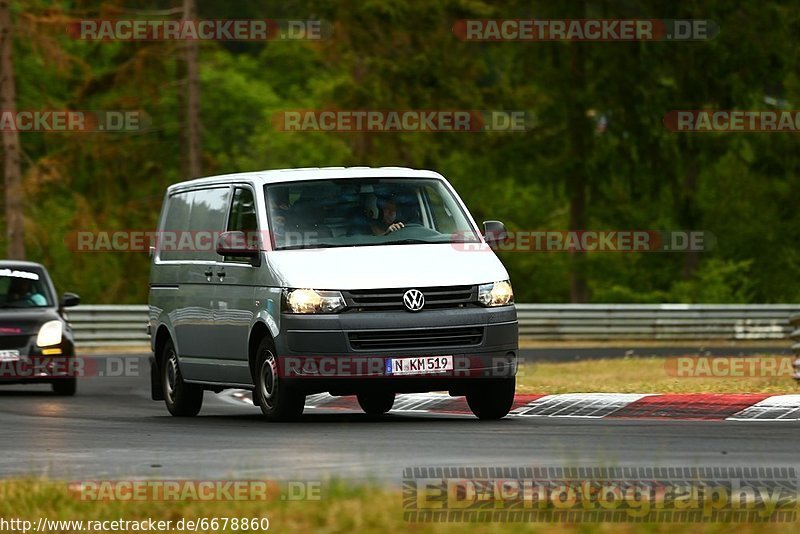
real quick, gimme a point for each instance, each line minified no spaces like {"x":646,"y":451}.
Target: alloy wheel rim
{"x":269,"y":379}
{"x":172,"y":375}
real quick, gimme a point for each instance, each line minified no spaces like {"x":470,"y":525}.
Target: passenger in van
{"x":387,"y":221}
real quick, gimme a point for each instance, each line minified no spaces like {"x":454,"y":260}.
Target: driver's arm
{"x":394,"y":227}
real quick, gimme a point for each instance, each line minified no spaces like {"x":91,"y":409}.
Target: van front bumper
{"x":348,"y":353}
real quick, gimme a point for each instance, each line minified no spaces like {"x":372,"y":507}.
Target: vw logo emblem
{"x":414,"y":300}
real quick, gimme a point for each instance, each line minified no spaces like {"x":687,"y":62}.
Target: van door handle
{"x":209,"y":273}
{"x":221,"y":274}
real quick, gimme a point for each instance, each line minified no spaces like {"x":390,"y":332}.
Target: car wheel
{"x":182,"y":399}
{"x":492,"y":398}
{"x":376,"y":403}
{"x":65,"y":387}
{"x":278,"y":400}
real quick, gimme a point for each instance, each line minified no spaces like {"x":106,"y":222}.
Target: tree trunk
{"x":15,"y":230}
{"x":579,"y":130}
{"x":192,"y":98}
{"x":689,"y":216}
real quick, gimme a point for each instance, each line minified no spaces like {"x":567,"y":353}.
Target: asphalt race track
{"x":111,"y":429}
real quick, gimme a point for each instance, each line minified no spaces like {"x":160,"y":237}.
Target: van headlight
{"x":313,"y":301}
{"x":50,"y":334}
{"x":496,"y":294}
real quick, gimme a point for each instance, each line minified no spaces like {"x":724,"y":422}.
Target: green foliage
{"x":601,"y":129}
{"x":717,"y":282}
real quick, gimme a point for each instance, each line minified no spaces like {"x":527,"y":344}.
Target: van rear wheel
{"x":278,"y":400}
{"x":375,"y":403}
{"x":492,"y":398}
{"x":182,"y":399}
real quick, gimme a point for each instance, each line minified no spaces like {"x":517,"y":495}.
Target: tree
{"x":15,"y":230}
{"x":192,"y":95}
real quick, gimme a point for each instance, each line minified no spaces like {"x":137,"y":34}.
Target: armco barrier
{"x":794,"y":320}
{"x":655,"y":321}
{"x":125,"y":325}
{"x":109,"y":325}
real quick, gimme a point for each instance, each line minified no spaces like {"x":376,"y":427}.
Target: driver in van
{"x":387,"y":219}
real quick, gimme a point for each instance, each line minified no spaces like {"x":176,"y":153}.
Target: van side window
{"x":243,"y":218}
{"x":179,"y":208}
{"x":192,"y":219}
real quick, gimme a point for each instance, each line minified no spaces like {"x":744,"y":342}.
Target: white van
{"x":353,"y":281}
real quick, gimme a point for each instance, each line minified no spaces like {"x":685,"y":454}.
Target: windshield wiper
{"x":412,"y":242}
{"x":311,"y":246}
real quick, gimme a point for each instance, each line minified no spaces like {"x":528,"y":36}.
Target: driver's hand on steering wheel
{"x":394,"y":227}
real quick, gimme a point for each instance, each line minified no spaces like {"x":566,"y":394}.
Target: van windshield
{"x":363,"y":212}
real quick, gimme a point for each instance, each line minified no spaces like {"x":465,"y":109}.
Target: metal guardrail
{"x":125,"y":325}
{"x":655,"y":321}
{"x":109,"y":325}
{"x":794,"y":320}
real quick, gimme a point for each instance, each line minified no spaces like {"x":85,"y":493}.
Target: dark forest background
{"x":597,"y":157}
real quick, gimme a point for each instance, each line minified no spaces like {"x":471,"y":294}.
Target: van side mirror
{"x":236,"y":244}
{"x":494,"y":232}
{"x":69,"y":299}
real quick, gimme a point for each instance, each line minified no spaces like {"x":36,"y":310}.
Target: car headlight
{"x":496,"y":294}
{"x":313,"y":301}
{"x":50,"y":334}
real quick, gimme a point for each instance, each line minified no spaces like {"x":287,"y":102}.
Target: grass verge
{"x":342,"y":508}
{"x":659,"y":375}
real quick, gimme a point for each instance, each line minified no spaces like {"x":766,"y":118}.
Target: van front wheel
{"x":492,"y":398}
{"x":278,"y":400}
{"x":182,"y":399}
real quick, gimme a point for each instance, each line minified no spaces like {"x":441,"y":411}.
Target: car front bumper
{"x":26,"y":363}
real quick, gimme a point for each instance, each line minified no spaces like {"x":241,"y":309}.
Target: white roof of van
{"x":312,"y":173}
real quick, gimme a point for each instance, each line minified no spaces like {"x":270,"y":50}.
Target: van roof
{"x":310,"y":173}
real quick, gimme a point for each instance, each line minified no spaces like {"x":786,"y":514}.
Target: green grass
{"x":342,"y":508}
{"x":640,"y":375}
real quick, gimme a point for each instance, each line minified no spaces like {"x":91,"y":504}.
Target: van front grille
{"x":427,"y":338}
{"x":392,"y":299}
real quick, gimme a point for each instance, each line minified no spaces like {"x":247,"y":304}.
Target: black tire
{"x":492,"y":398}
{"x":376,"y":403}
{"x":278,"y":400}
{"x":65,"y":387}
{"x":182,"y":399}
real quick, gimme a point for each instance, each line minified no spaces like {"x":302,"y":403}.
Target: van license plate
{"x":419,"y":365}
{"x":9,"y":355}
